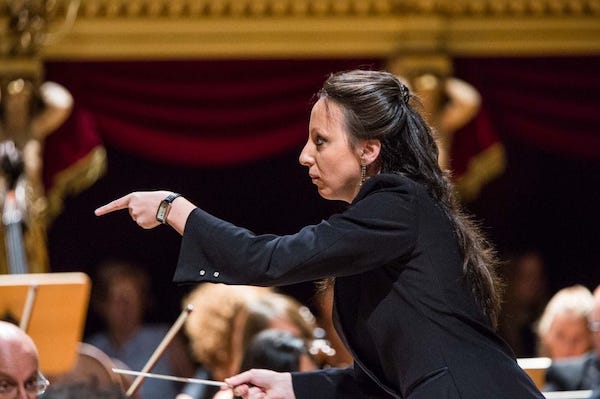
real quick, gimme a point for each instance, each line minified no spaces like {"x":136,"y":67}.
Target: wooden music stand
{"x":55,"y":306}
{"x":536,"y":368}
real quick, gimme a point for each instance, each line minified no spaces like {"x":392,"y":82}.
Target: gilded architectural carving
{"x":316,"y":28}
{"x":331,"y":8}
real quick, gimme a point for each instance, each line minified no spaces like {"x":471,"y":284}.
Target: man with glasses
{"x":579,"y":373}
{"x":20,"y":377}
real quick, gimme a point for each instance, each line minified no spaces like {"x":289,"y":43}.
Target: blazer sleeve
{"x":325,"y":384}
{"x":378,"y":230}
{"x":345,"y":383}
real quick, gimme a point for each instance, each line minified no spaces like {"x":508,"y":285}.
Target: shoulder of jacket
{"x":389,"y":183}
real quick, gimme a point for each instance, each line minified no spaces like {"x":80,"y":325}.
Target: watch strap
{"x":171,"y":197}
{"x":164,"y":207}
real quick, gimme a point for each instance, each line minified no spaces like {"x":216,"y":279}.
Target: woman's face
{"x":333,"y":165}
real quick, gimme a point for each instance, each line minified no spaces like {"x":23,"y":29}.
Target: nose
{"x":305,"y":157}
{"x":22,"y":393}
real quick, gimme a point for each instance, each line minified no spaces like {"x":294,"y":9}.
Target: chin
{"x":330,"y":196}
{"x":325,"y":195}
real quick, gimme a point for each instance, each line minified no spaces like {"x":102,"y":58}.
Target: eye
{"x":31,"y":384}
{"x":37,"y":384}
{"x":319,"y":140}
{"x":5,"y":386}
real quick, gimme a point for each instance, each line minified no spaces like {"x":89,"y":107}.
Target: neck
{"x":120,"y":337}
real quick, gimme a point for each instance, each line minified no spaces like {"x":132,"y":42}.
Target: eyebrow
{"x":5,"y":376}
{"x":316,"y":132}
{"x":12,"y":379}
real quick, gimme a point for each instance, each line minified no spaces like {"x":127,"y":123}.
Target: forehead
{"x":327,"y":114}
{"x":125,"y":284}
{"x":569,"y":320}
{"x":17,"y":359}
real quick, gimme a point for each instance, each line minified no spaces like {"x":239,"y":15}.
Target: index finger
{"x":239,"y":379}
{"x":120,"y":203}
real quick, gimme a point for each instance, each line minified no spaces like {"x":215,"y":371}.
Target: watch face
{"x":162,"y":209}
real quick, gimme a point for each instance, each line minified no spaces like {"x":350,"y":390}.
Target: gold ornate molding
{"x":158,"y":29}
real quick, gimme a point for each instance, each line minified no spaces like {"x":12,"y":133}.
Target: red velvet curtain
{"x":216,"y":113}
{"x":550,"y":103}
{"x":191,"y":113}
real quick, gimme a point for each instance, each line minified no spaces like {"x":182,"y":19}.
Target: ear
{"x":369,"y":151}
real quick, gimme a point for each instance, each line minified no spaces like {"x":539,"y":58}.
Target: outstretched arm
{"x":464,"y":103}
{"x":58,"y":103}
{"x":142,"y":207}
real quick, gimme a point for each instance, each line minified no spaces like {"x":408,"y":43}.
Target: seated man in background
{"x":580,"y":373}
{"x":19,"y":364}
{"x":563,"y":330}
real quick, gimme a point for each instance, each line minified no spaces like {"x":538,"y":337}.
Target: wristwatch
{"x":165,"y":206}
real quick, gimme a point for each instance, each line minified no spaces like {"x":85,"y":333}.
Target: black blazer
{"x":400,"y":302}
